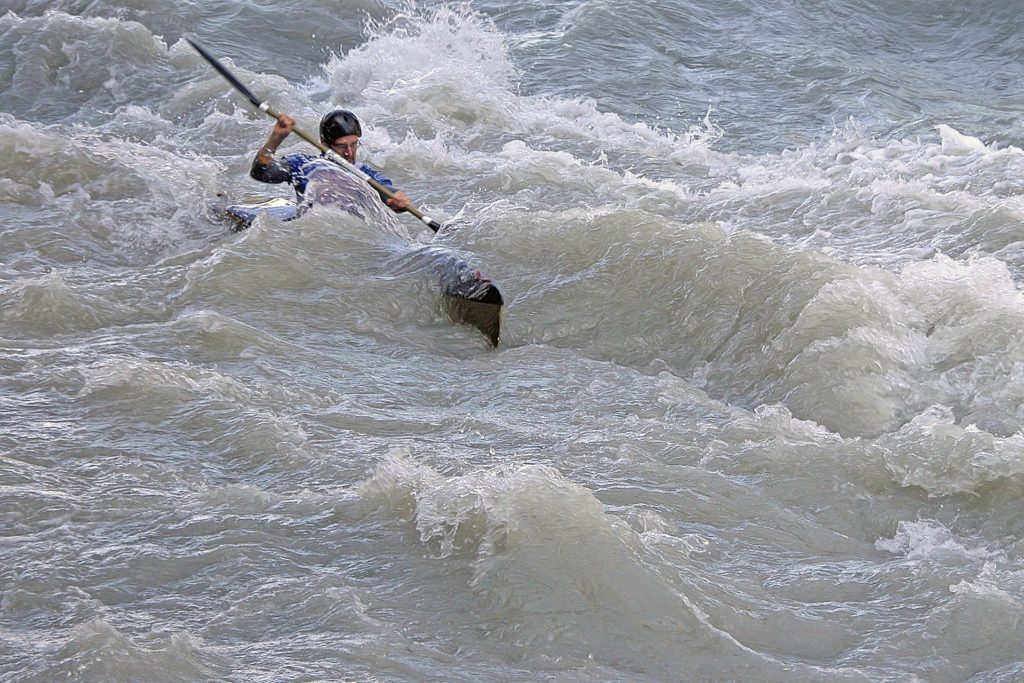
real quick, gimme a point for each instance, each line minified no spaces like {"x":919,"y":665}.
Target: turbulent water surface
{"x":755,"y":416}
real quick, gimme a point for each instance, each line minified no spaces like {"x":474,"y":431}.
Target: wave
{"x":557,"y":578}
{"x":97,"y":651}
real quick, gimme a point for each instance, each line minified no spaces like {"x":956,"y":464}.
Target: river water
{"x":755,"y":416}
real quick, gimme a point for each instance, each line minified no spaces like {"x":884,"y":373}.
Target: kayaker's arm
{"x":271,"y":172}
{"x":265,"y":167}
{"x":398,"y":201}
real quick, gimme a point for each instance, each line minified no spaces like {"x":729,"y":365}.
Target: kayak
{"x":467,"y":296}
{"x":249,"y":209}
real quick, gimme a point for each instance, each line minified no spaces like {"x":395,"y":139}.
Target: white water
{"x":756,"y":413}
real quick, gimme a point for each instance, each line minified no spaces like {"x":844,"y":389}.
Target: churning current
{"x":756,"y":411}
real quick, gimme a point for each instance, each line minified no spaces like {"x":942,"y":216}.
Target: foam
{"x":927,"y":539}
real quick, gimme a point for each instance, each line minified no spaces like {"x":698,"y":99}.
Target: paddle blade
{"x":223,"y":70}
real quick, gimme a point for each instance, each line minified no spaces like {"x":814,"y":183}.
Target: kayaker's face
{"x":346,"y":147}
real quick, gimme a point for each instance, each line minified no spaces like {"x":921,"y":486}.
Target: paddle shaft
{"x":327,"y":151}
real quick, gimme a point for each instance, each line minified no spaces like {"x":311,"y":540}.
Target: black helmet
{"x":338,"y":124}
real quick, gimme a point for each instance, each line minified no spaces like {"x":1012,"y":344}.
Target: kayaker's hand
{"x":282,"y":129}
{"x":400,"y":202}
{"x":278,"y":133}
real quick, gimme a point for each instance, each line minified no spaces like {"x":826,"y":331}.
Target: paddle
{"x":328,"y":153}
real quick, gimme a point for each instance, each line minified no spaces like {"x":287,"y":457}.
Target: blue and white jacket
{"x":294,"y":168}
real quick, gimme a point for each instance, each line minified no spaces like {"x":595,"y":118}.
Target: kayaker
{"x":339,"y":130}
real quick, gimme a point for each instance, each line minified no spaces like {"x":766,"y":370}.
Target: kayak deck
{"x":246,"y":211}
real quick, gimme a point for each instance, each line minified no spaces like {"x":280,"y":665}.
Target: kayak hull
{"x":467,"y":296}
